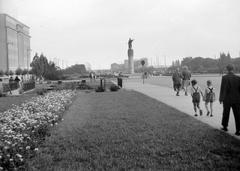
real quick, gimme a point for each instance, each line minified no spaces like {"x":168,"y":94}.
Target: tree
{"x":30,"y":72}
{"x":25,"y":71}
{"x":77,"y":68}
{"x":39,"y":65}
{"x":18,"y":71}
{"x":1,"y":72}
{"x":6,"y":73}
{"x":223,"y":60}
{"x":11,"y":73}
{"x":43,"y":64}
{"x":209,"y":63}
{"x":236,"y":62}
{"x":52,"y":72}
{"x":186,"y":60}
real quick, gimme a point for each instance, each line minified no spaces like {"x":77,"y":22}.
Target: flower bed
{"x":23,"y":127}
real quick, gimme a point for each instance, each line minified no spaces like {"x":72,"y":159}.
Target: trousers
{"x":236,"y":112}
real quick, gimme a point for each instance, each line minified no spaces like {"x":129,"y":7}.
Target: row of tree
{"x":199,"y":64}
{"x":18,"y":72}
{"x":41,"y":67}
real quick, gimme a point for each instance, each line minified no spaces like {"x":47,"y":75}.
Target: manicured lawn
{"x":7,"y":102}
{"x":127,"y":130}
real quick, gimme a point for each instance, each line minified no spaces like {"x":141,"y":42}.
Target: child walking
{"x":209,"y":97}
{"x":195,"y":93}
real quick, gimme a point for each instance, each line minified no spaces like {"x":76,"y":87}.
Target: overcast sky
{"x":97,"y":31}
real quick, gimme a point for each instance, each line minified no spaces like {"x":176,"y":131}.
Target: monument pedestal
{"x":130,"y":61}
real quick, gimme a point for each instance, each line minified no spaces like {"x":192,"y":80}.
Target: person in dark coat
{"x":230,"y":98}
{"x":186,"y":79}
{"x":177,"y":81}
{"x":17,"y":81}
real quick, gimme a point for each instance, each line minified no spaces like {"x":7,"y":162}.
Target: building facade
{"x":14,"y":44}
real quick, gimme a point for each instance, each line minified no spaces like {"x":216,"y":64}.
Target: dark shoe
{"x":186,"y":94}
{"x":177,"y":94}
{"x":195,"y":115}
{"x":224,"y":129}
{"x":211,"y":115}
{"x":237,"y":133}
{"x":208,"y":113}
{"x":200,"y":112}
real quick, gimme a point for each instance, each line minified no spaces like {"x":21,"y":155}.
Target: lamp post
{"x":28,"y":56}
{"x":8,"y":55}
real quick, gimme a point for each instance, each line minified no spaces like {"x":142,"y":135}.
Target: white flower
{"x":28,"y":147}
{"x":18,"y":155}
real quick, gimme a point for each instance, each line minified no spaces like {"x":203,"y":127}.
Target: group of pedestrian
{"x":92,"y":76}
{"x":181,"y":80}
{"x":17,"y":80}
{"x":229,"y":94}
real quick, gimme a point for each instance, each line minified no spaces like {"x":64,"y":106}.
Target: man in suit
{"x":230,"y":98}
{"x":177,"y":81}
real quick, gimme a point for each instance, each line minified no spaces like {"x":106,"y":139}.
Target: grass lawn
{"x":7,"y":102}
{"x":126,"y":130}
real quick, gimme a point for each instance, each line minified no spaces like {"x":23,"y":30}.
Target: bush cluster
{"x":114,"y":88}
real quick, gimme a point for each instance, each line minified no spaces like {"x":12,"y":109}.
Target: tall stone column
{"x":130,"y":57}
{"x":130,"y":61}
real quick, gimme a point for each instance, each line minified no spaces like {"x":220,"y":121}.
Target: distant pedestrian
{"x":209,"y":97}
{"x":11,"y":80}
{"x":17,"y":81}
{"x":177,"y":80}
{"x":186,"y":79}
{"x":230,"y":98}
{"x":195,"y":93}
{"x":90,"y":76}
{"x":1,"y":87}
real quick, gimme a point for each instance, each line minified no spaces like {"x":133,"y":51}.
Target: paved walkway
{"x":183,"y":103}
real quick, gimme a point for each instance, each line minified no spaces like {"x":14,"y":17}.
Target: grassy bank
{"x":129,"y":131}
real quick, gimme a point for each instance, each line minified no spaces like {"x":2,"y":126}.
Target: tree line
{"x":207,"y":65}
{"x":41,"y":67}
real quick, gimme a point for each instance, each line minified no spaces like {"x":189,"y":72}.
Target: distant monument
{"x":130,"y":57}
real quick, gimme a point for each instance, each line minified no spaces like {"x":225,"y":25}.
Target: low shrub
{"x":114,"y":88}
{"x":100,"y":89}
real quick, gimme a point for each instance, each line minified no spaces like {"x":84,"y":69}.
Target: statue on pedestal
{"x":130,"y":43}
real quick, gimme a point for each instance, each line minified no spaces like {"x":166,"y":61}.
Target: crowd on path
{"x":229,"y":94}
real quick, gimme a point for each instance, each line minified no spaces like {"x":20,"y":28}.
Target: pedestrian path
{"x":183,"y":103}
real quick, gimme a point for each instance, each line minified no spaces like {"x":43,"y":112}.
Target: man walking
{"x":177,"y":80}
{"x":230,"y":97}
{"x":186,"y":78}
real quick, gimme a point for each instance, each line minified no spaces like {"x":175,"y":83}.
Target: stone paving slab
{"x":184,"y":104}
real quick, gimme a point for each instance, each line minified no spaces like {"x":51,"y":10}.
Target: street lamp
{"x":28,"y":56}
{"x":8,"y":55}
